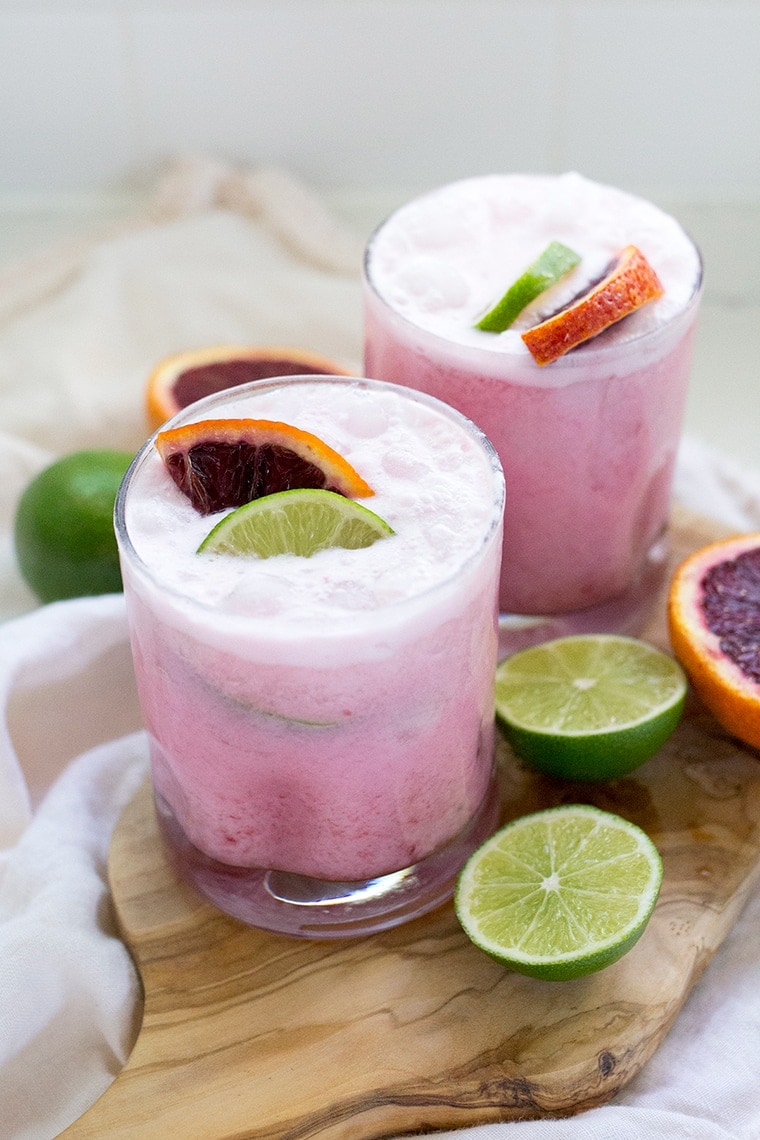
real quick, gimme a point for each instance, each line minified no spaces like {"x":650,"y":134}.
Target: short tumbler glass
{"x":359,"y":815}
{"x":588,"y":443}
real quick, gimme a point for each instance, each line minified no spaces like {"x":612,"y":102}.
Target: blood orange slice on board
{"x":227,"y":463}
{"x":630,"y":284}
{"x":184,"y":377}
{"x":714,"y":623}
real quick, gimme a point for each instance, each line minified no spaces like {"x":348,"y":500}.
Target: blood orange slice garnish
{"x":714,"y":623}
{"x":184,"y":377}
{"x":631,"y":283}
{"x":226,"y":463}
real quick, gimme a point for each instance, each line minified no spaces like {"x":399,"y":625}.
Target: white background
{"x":370,"y":101}
{"x":660,"y":95}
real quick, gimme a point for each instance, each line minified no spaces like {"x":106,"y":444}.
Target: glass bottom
{"x":306,"y":907}
{"x":626,"y":614}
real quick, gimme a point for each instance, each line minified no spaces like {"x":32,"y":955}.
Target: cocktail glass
{"x":326,"y":777}
{"x":588,"y":445}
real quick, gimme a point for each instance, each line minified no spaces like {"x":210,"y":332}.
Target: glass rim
{"x":188,"y":415}
{"x":594,"y":350}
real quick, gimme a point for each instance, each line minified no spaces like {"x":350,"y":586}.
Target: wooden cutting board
{"x":248,"y":1034}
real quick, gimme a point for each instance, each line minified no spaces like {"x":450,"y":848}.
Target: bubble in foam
{"x":349,"y":594}
{"x":367,"y":420}
{"x":260,"y":596}
{"x":433,"y":286}
{"x":442,"y":538}
{"x":401,"y":463}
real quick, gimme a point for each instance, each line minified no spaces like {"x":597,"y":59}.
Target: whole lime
{"x":63,"y":530}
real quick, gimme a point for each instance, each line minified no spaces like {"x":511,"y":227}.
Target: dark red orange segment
{"x":184,"y":377}
{"x":631,"y":283}
{"x":220,"y":464}
{"x":714,"y":625}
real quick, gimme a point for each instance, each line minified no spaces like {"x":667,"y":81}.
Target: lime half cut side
{"x":560,"y":893}
{"x":299,"y":522}
{"x":589,"y":707}
{"x":548,"y":268}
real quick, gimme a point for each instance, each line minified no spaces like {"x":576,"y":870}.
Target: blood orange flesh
{"x":205,"y":379}
{"x":184,"y":377}
{"x":714,"y":621}
{"x":220,"y":464}
{"x":731,"y":603}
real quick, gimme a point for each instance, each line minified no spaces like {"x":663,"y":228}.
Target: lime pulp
{"x":301,"y":522}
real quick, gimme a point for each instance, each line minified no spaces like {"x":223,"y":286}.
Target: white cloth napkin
{"x":219,"y":255}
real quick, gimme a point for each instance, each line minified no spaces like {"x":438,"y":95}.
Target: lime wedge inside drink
{"x":589,"y":707}
{"x":548,"y":268}
{"x":299,"y":522}
{"x":560,"y":893}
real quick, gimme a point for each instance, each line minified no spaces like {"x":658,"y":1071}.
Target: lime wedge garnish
{"x":555,"y":261}
{"x":560,"y":893}
{"x":299,"y":522}
{"x":589,"y":707}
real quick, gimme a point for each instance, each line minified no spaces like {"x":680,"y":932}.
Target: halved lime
{"x":299,"y":522}
{"x":551,"y":265}
{"x":589,"y":707}
{"x":560,"y":893}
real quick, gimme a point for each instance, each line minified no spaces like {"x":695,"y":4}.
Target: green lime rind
{"x":281,"y":718}
{"x":560,"y":893}
{"x":611,"y":755}
{"x":299,"y":522}
{"x":590,"y":707}
{"x":245,"y":706}
{"x":298,"y":721}
{"x":63,"y":530}
{"x":549,"y":267}
{"x":249,"y":709}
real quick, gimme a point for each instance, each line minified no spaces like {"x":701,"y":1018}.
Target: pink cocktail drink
{"x":588,"y":443}
{"x":321,"y":729}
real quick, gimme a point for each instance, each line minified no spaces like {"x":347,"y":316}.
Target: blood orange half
{"x":227,"y":463}
{"x":630,"y":284}
{"x":184,"y":377}
{"x":714,"y":622}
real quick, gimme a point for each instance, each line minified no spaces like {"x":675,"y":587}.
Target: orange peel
{"x":226,"y":463}
{"x":184,"y":377}
{"x":631,"y":283}
{"x":714,"y":626}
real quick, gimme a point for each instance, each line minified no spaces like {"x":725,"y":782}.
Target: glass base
{"x":305,"y":907}
{"x":626,"y":614}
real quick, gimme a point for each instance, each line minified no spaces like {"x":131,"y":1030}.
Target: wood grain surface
{"x":248,"y":1034}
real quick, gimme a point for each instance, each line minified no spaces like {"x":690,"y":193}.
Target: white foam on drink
{"x":433,"y":484}
{"x":444,"y":259}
